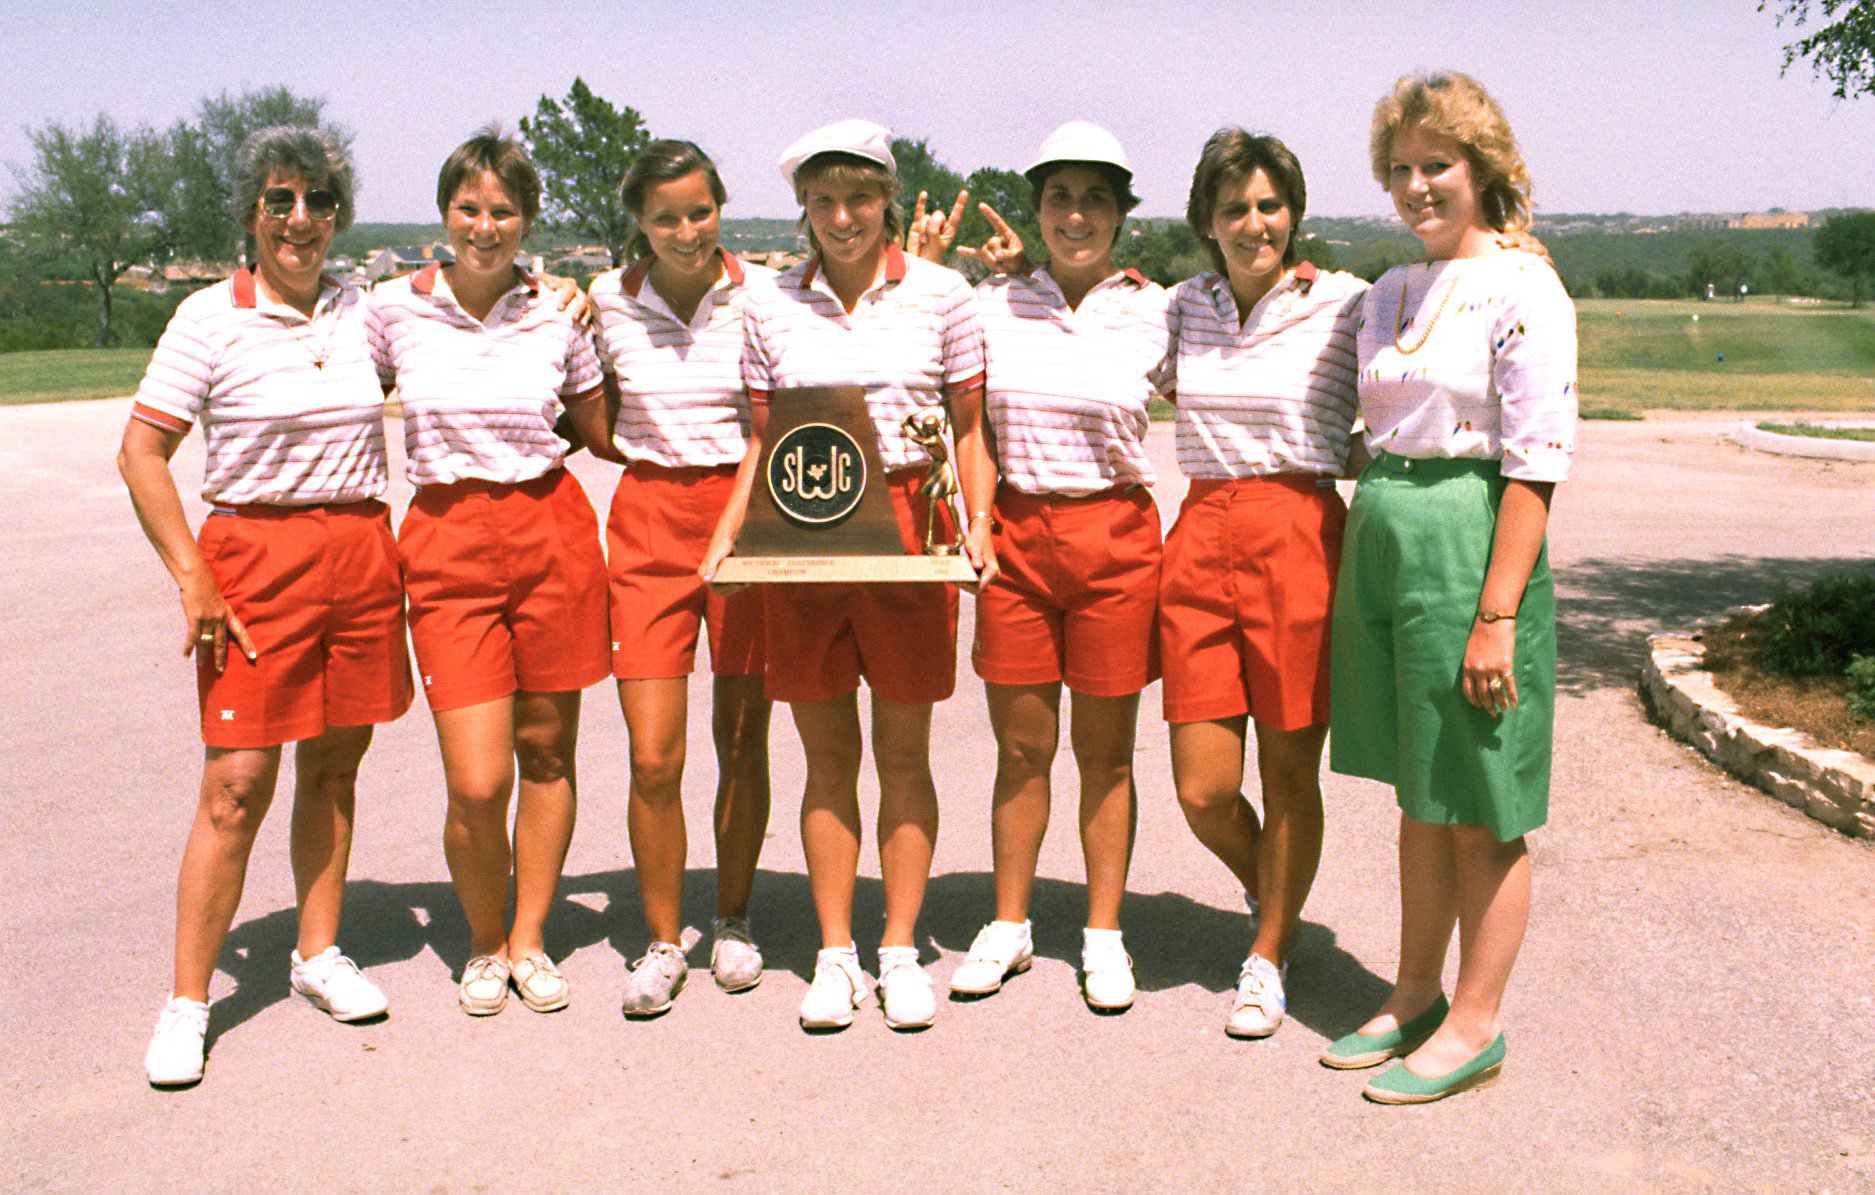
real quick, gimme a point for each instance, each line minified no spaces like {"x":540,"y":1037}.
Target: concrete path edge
{"x":1750,"y":435}
{"x":1833,"y":786}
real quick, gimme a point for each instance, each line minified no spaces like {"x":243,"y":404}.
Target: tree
{"x":919,"y":170}
{"x":202,"y":154}
{"x":1780,"y":273}
{"x":1842,"y":48}
{"x":1846,"y":245}
{"x":88,"y":206}
{"x":1718,"y":263}
{"x":583,"y":146}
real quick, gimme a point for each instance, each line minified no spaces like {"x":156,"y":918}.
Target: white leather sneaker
{"x":177,"y":1048}
{"x":735,"y":960}
{"x":838,"y":987}
{"x":1257,"y":1008}
{"x":1001,"y":949}
{"x":656,"y":980}
{"x":334,"y":985}
{"x":1106,"y":970}
{"x":905,"y":989}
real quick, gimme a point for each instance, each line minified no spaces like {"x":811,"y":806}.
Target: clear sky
{"x":1639,"y":106}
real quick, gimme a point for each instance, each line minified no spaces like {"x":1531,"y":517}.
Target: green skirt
{"x":1418,"y":541}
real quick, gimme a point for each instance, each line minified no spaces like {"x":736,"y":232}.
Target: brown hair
{"x":662,"y":162}
{"x":1231,"y":156}
{"x":500,"y":155}
{"x":1457,"y":106}
{"x":848,"y":170}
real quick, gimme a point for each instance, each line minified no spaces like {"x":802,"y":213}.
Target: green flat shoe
{"x":1401,"y":1086}
{"x":1358,"y":1050}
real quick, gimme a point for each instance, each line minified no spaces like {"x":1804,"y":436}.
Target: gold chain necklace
{"x":1400,"y":327}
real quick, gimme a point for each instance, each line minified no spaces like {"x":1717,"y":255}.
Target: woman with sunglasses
{"x":501,"y":556}
{"x":859,"y":312}
{"x":670,"y":328}
{"x":290,"y":592}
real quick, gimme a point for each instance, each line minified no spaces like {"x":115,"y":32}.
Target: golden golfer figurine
{"x":927,"y":426}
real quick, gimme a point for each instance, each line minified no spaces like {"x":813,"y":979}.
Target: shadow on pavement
{"x":1607,"y":607}
{"x":1173,"y":939}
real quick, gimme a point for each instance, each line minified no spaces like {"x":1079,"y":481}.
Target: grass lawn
{"x":1653,"y":354}
{"x":1821,"y":433}
{"x":61,"y":374}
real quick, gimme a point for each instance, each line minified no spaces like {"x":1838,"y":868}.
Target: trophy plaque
{"x":820,"y":509}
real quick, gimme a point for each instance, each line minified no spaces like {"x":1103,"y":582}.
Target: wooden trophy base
{"x":821,"y":510}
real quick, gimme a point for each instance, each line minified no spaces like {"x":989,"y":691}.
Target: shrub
{"x":1862,"y":687}
{"x":1818,"y":630}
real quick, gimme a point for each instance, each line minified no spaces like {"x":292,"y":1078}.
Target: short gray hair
{"x":299,"y":151}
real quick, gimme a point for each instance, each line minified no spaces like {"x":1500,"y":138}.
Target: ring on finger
{"x":1497,"y":682}
{"x":206,"y":638}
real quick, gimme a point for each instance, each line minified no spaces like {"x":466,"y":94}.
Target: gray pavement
{"x":1694,"y":1009}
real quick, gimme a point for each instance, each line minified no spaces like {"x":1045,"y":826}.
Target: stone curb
{"x":1835,"y":787}
{"x":1750,"y":435}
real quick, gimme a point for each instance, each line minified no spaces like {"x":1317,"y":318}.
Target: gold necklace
{"x":1400,"y":327}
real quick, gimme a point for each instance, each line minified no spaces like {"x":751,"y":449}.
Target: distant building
{"x":388,"y":263}
{"x":1772,"y":220}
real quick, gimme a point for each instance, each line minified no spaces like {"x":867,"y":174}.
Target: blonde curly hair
{"x":1455,"y":105}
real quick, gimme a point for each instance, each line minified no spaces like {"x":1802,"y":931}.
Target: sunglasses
{"x":279,"y":202}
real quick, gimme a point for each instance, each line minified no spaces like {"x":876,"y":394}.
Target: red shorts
{"x":900,"y":635}
{"x":661,"y":522}
{"x":318,"y":589}
{"x":1243,"y":605}
{"x":507,"y":589}
{"x":1078,"y":592}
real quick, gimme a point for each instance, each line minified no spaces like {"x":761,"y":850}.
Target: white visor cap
{"x":861,"y":138}
{"x":1080,"y":141}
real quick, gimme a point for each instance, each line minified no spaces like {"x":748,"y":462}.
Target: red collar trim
{"x":242,"y":284}
{"x":633,"y":279}
{"x":1306,"y":273}
{"x":732,"y":268}
{"x":1134,"y":276}
{"x":894,"y":266}
{"x":424,"y":283}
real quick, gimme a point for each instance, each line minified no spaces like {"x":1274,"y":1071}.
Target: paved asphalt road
{"x":1695,"y":1006}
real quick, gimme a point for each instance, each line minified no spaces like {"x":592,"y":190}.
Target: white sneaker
{"x":332,"y":983}
{"x":838,"y":988}
{"x":1257,"y":1008}
{"x":177,"y":1048}
{"x":905,"y":989}
{"x":1001,"y":949}
{"x":1106,"y":970}
{"x":735,"y":961}
{"x":656,"y":980}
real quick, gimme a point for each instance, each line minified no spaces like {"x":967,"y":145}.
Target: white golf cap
{"x":1081,"y":141}
{"x":861,"y":138}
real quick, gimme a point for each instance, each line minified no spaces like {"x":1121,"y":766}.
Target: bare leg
{"x":1207,"y":773}
{"x":1290,"y":847}
{"x":478,"y":769}
{"x":1102,"y":730}
{"x":655,"y":715}
{"x":908,"y":813}
{"x":740,"y":728}
{"x":1428,"y":910}
{"x":237,"y":788}
{"x":1027,"y":722}
{"x":1493,"y":908}
{"x":830,"y":811}
{"x":324,"y":786}
{"x":546,"y":733}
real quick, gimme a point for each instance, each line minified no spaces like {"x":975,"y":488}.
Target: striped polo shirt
{"x":1478,"y":361}
{"x":1067,"y":388}
{"x":480,"y":397}
{"x":1276,"y":394}
{"x":290,"y":408}
{"x":681,"y":399}
{"x":908,"y":341}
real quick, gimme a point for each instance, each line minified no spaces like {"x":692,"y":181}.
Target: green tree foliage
{"x":1007,"y":193}
{"x":1718,"y":263}
{"x":583,"y":146}
{"x":1165,"y":251}
{"x":1780,"y":273}
{"x":1314,"y":249}
{"x":88,"y":207}
{"x":1846,"y":245}
{"x":919,"y":170}
{"x":1841,"y":44}
{"x":1377,"y":257}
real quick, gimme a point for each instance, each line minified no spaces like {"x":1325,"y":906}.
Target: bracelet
{"x":981,"y":514}
{"x":1490,"y":616}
